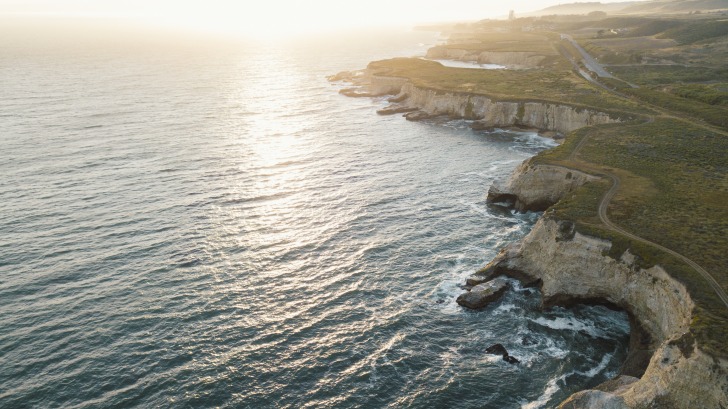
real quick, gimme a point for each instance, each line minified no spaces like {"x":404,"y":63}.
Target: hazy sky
{"x":283,"y":16}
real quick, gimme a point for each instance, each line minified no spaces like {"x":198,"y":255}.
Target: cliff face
{"x":541,"y":115}
{"x":574,"y":267}
{"x":536,"y":187}
{"x":510,"y":59}
{"x":380,"y":85}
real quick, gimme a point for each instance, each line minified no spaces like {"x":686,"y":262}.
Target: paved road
{"x":589,"y":61}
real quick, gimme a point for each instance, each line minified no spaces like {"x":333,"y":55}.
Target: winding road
{"x":594,"y":66}
{"x":604,"y":205}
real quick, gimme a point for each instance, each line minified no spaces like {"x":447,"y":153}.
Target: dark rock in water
{"x":511,"y":360}
{"x":440,"y":301}
{"x":395,"y":109}
{"x":496,"y":349}
{"x":483,"y":294}
{"x":527,"y":293}
{"x":499,"y":349}
{"x":417,"y":116}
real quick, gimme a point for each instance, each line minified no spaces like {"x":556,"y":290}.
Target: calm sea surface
{"x":218,"y":227}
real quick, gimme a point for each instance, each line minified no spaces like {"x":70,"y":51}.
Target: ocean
{"x":215,"y":226}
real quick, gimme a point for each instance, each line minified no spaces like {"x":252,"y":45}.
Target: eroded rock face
{"x":483,"y":294}
{"x":572,"y":266}
{"x":537,"y":187}
{"x":541,"y":115}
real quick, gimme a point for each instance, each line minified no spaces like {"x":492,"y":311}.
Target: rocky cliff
{"x":572,"y":267}
{"x":510,"y":59}
{"x":666,"y":367}
{"x":541,"y":115}
{"x":487,"y":111}
{"x":536,"y":187}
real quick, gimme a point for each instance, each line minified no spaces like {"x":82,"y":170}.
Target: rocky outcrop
{"x":510,"y":59}
{"x":536,"y":187}
{"x":368,"y":84}
{"x":499,"y":349}
{"x":572,"y":267}
{"x":483,"y":294}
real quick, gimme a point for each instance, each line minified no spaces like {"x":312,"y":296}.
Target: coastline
{"x":665,"y":364}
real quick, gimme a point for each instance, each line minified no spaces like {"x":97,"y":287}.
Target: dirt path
{"x":604,"y":205}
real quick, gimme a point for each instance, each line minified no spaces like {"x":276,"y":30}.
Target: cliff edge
{"x":423,"y":102}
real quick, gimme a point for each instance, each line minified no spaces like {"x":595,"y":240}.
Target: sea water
{"x":198,"y":226}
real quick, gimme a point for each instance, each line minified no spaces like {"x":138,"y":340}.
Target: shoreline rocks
{"x":483,"y":294}
{"x":537,"y":187}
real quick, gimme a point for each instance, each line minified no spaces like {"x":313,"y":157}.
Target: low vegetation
{"x":558,"y":85}
{"x":673,"y":192}
{"x":669,"y":74}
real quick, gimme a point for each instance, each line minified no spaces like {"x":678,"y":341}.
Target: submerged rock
{"x":511,"y":360}
{"x":483,"y":294}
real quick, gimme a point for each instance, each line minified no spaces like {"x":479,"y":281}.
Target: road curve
{"x":604,"y":204}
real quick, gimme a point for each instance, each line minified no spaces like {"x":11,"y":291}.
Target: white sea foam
{"x":552,"y":386}
{"x":571,"y":324}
